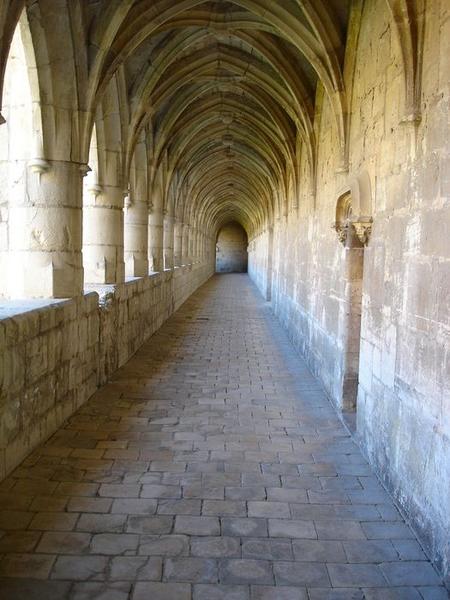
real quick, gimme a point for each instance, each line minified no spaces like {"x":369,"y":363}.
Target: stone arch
{"x":21,"y":152}
{"x":231,"y":248}
{"x":353,"y":209}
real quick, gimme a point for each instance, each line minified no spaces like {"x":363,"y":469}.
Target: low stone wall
{"x":54,"y":354}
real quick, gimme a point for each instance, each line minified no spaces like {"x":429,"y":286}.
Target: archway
{"x":231,"y":249}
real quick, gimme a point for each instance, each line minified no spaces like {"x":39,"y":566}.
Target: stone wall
{"x":399,"y":169}
{"x":54,"y":354}
{"x":231,"y":253}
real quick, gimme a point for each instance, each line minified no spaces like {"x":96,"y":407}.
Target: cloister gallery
{"x":224,"y":299}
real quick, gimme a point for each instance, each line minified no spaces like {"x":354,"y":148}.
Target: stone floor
{"x":211,"y":468}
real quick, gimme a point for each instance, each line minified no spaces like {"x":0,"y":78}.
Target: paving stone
{"x":300,"y":574}
{"x":162,"y":591}
{"x":64,"y":542}
{"x":34,"y":566}
{"x":292,"y":529}
{"x":356,"y":575}
{"x":261,"y":592}
{"x":200,"y":491}
{"x":267,"y":549}
{"x":164,"y":545}
{"x":119,"y":491}
{"x":157,"y":524}
{"x":269,"y":509}
{"x":286,"y":495}
{"x":90,"y":505}
{"x":399,"y":593}
{"x":215,"y":547}
{"x":19,"y":541}
{"x":434,"y":593}
{"x":335,"y":594}
{"x":114,"y":543}
{"x":245,"y":571}
{"x":197,"y":525}
{"x":80,"y":568}
{"x":410,"y":573}
{"x":99,"y":523}
{"x":318,"y":551}
{"x":161,"y":491}
{"x":179,"y":507}
{"x":224,"y":508}
{"x":134,"y":506}
{"x":244,"y":527}
{"x":135,"y":568}
{"x":339,"y":530}
{"x":33,"y":589}
{"x":91,"y":590}
{"x":220,"y":592}
{"x":49,"y":504}
{"x":387,"y":531}
{"x":11,"y":519}
{"x":195,"y":570}
{"x":366,"y":551}
{"x":409,"y":550}
{"x":245,"y":493}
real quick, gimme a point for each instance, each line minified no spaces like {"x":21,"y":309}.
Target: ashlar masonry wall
{"x":403,"y":401}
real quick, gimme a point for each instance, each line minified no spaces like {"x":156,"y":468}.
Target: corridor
{"x":211,"y":467}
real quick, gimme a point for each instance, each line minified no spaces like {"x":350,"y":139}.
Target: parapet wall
{"x":54,"y":355}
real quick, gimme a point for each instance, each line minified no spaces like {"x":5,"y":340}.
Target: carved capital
{"x":85,"y":169}
{"x":342,"y":231}
{"x":363,"y":229}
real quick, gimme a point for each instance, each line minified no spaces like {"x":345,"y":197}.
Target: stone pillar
{"x":168,"y":241}
{"x":103,"y":238}
{"x":136,"y":234}
{"x":178,"y":244}
{"x":155,"y":239}
{"x":185,"y":244}
{"x":45,"y":231}
{"x":191,"y":245}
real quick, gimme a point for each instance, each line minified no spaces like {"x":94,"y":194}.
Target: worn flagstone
{"x":212,"y":466}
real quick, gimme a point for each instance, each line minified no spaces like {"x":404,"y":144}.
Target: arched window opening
{"x":20,"y":141}
{"x":231,"y":249}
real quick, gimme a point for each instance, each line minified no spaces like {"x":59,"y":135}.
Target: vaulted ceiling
{"x":227,"y":89}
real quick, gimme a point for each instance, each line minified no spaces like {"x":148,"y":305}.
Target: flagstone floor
{"x":212,"y":467}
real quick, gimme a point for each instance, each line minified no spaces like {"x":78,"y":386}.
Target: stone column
{"x":155,"y":239}
{"x":178,"y":243}
{"x":136,"y":234}
{"x":191,"y":245}
{"x":45,"y":225}
{"x":103,"y":238}
{"x":185,"y":244}
{"x":168,"y":241}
